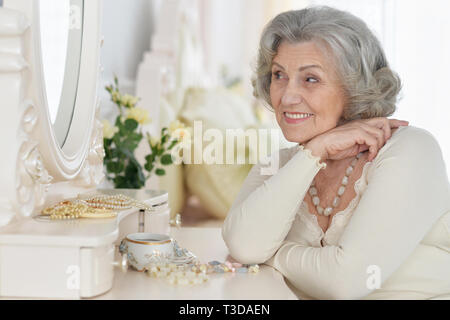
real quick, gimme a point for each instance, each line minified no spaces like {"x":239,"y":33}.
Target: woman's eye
{"x":311,"y":80}
{"x":277,"y":75}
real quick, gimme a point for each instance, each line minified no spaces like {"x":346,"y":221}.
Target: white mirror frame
{"x":34,"y":168}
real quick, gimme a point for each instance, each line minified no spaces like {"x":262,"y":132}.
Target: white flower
{"x":129,"y":100}
{"x":139,"y":114}
{"x":108,"y":130}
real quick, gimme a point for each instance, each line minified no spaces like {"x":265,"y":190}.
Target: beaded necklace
{"x":337,"y":199}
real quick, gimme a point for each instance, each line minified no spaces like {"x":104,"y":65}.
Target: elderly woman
{"x":360,"y":207}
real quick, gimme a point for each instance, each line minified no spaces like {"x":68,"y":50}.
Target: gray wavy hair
{"x":371,"y":87}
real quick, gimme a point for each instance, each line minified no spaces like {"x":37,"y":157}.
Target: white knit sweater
{"x":397,"y":226}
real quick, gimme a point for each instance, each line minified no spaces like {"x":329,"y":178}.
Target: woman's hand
{"x":354,"y":137}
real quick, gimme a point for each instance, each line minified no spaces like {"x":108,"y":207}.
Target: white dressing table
{"x":207,"y":244}
{"x":45,"y":258}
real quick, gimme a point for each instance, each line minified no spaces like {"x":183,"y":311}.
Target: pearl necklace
{"x":97,"y":206}
{"x":114,"y":202}
{"x":337,"y":199}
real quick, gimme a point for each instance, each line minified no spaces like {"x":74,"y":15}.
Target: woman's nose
{"x":291,"y":97}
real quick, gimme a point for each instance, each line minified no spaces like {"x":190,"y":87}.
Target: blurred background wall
{"x":414,"y":33}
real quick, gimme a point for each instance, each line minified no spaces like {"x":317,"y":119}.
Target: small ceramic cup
{"x":141,"y":248}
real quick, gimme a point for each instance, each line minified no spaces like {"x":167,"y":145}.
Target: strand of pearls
{"x":115,"y":202}
{"x":195,"y":273}
{"x":337,"y":199}
{"x":70,"y":210}
{"x":184,"y":268}
{"x":101,"y":206}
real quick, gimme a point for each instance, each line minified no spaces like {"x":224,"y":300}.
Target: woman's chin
{"x":295,"y":138}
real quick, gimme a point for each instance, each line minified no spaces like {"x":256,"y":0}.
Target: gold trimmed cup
{"x":143,"y":248}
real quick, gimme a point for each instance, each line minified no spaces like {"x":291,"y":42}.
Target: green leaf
{"x":114,"y":153}
{"x":150,"y":158}
{"x":131,"y":124}
{"x":166,"y":159}
{"x":173,"y":144}
{"x":149,"y":166}
{"x":115,"y":167}
{"x":160,"y":172}
{"x":120,"y":182}
{"x":126,"y":152}
{"x":164,"y":139}
{"x":136,"y":136}
{"x":107,"y":142}
{"x":130,"y":144}
{"x":130,"y":171}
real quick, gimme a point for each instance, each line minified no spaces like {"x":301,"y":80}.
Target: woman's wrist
{"x":316,"y":150}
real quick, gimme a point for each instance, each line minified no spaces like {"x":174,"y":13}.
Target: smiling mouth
{"x":297,"y":115}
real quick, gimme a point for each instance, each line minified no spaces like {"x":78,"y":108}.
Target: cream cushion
{"x":216,"y":185}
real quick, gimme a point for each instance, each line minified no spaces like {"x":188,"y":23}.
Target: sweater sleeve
{"x":263,"y":212}
{"x":407,"y":192}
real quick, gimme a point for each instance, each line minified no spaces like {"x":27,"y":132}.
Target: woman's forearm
{"x":264,"y":210}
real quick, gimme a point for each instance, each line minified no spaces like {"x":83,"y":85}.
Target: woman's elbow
{"x":244,"y":250}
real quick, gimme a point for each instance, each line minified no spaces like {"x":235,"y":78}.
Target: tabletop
{"x":207,"y":244}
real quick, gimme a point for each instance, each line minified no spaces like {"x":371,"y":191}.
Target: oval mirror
{"x":61,"y":33}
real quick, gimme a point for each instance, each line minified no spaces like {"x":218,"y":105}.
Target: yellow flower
{"x":175,"y":125}
{"x":108,"y":130}
{"x":129,"y":101}
{"x":139,"y":114}
{"x":182,"y":134}
{"x":154,"y":141}
{"x":115,"y":95}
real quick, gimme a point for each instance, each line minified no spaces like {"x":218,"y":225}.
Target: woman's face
{"x":305,"y":92}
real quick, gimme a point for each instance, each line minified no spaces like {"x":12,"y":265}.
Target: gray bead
{"x":316,"y":200}
{"x":313,"y":191}
{"x":241,"y":270}
{"x":336,"y":201}
{"x":218,"y":269}
{"x":328,"y":211}
{"x":341,"y":190}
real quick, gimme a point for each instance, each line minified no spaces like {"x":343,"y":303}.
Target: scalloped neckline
{"x":350,"y":207}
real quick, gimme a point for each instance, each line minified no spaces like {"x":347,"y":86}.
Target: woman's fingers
{"x":378,"y":133}
{"x":386,"y":125}
{"x":358,"y":135}
{"x":366,"y":138}
{"x":395,"y":123}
